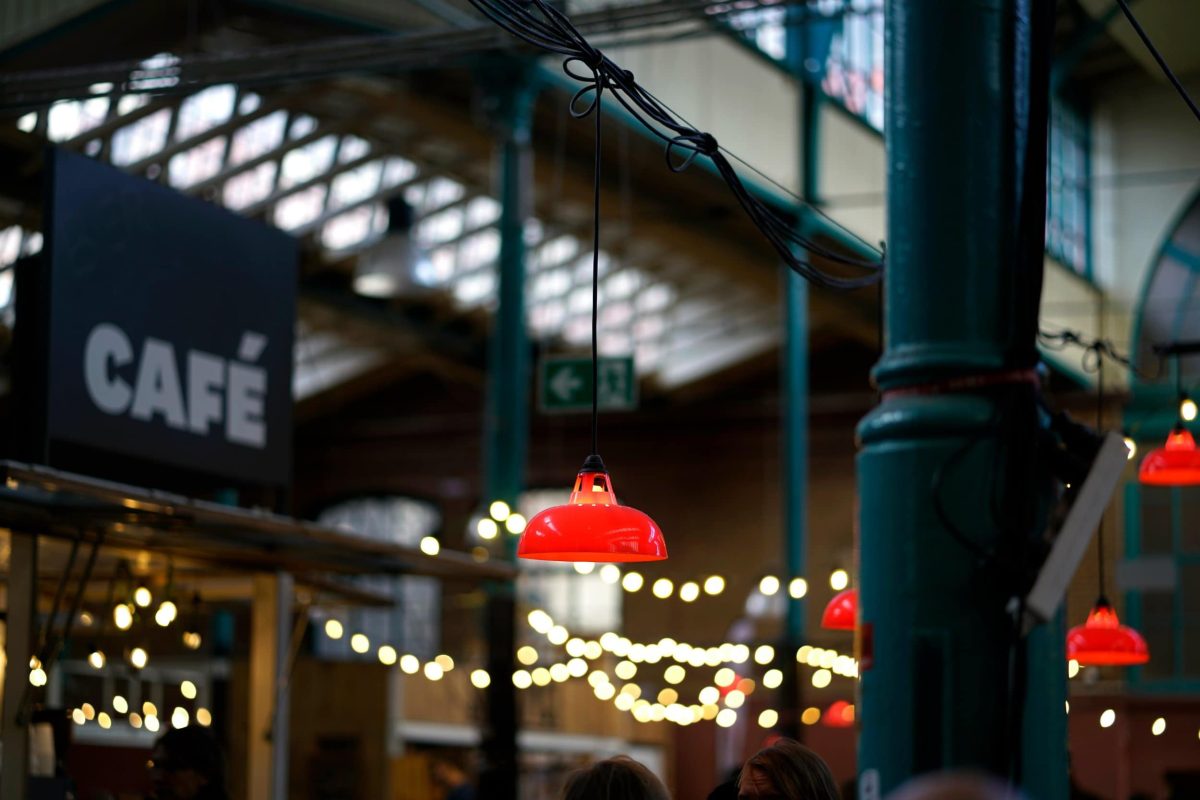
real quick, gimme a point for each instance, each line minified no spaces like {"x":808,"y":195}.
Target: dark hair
{"x":794,"y":771}
{"x":195,"y":749}
{"x":619,"y":778}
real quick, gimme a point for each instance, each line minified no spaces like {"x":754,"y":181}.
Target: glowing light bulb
{"x":724,"y":677}
{"x":191,"y":640}
{"x":592,"y":650}
{"x":499,"y":510}
{"x":142,"y":596}
{"x":726,"y":717}
{"x":444,"y":661}
{"x":575,"y":647}
{"x":769,"y":585}
{"x":152,"y":724}
{"x":689,"y":591}
{"x":120,"y":704}
{"x":662,"y":588}
{"x":359,"y":643}
{"x":1072,"y":668}
{"x":149,"y":709}
{"x":541,"y":676}
{"x":797,"y":588}
{"x":123,"y":617}
{"x":584,"y":567}
{"x":527,"y":655}
{"x":559,"y":673}
{"x":37,"y":677}
{"x":604,"y":691}
{"x":540,"y":621}
{"x":480,"y":678}
{"x":203,"y":717}
{"x":521,"y":679}
{"x":1108,"y":718}
{"x":135,"y":720}
{"x":138,"y":658}
{"x":188,"y":690}
{"x":610,"y":573}
{"x":764,"y":654}
{"x":77,"y":717}
{"x":821,"y":678}
{"x":434,"y":671}
{"x":773,"y":679}
{"x":1159,"y":726}
{"x":811,"y":715}
{"x":1187,"y":409}
{"x":768,"y":718}
{"x":430,"y":546}
{"x":96,"y":659}
{"x":387,"y":655}
{"x":735,"y":699}
{"x":632,"y":581}
{"x":104,"y":720}
{"x":668,"y":696}
{"x":577,"y":667}
{"x":334,"y":629}
{"x":515,"y":524}
{"x":674,"y":674}
{"x":714,"y":584}
{"x":86,"y":619}
{"x":410,"y":664}
{"x":558,"y":635}
{"x":89,"y":711}
{"x":487,"y":528}
{"x":1131,"y":447}
{"x":179,"y":717}
{"x":625,"y":670}
{"x":839,"y":579}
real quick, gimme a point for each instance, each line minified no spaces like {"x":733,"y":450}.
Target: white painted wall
{"x":1145,"y":167}
{"x":720,"y":87}
{"x":853,"y":174}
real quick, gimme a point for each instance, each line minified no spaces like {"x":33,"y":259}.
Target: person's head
{"x":619,"y":778}
{"x":961,"y":785}
{"x":187,"y":765}
{"x":787,"y":770}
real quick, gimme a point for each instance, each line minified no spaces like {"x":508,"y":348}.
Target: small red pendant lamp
{"x":1177,"y":463}
{"x":1104,"y":641}
{"x":841,"y":614}
{"x":593,"y":526}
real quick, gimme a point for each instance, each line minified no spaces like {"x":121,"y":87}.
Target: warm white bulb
{"x":839,"y":579}
{"x":1072,"y":668}
{"x":521,"y":679}
{"x":714,"y":584}
{"x":689,"y":591}
{"x":480,"y":679}
{"x":821,"y":678}
{"x":149,"y":709}
{"x":632,"y":581}
{"x":724,"y":677}
{"x":726,"y":717}
{"x":165,"y":614}
{"x":359,"y":643}
{"x":191,"y":640}
{"x":188,"y":690}
{"x":662,"y":588}
{"x":584,"y":567}
{"x":410,"y":664}
{"x":527,"y":655}
{"x":674,"y":674}
{"x":798,"y":588}
{"x":142,"y":596}
{"x":773,"y":679}
{"x":769,"y":585}
{"x":735,"y":699}
{"x":1158,"y":727}
{"x":123,"y":617}
{"x":764,"y":654}
{"x":434,"y":671}
{"x":430,"y":546}
{"x":1131,"y":447}
{"x":1187,"y":409}
{"x":499,"y":510}
{"x":179,"y":717}
{"x":152,"y":724}
{"x":120,"y":704}
{"x":138,"y":657}
{"x":515,"y":523}
{"x":610,"y":573}
{"x":1108,"y":718}
{"x":768,"y":718}
{"x":334,"y":629}
{"x":387,"y":655}
{"x":96,"y":659}
{"x":444,"y":661}
{"x":203,"y":717}
{"x":487,"y":528}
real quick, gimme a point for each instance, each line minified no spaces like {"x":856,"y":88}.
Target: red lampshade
{"x":840,"y":714}
{"x":842,"y":612}
{"x":592,"y":526}
{"x":1175,"y":464}
{"x":1104,"y":641}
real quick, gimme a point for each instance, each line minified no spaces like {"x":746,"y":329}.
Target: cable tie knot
{"x":706,"y":143}
{"x":593,"y":59}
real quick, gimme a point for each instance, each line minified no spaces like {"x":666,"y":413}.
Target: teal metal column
{"x":943,"y":500}
{"x":506,"y":427}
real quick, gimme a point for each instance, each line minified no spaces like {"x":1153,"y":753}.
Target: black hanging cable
{"x":1162,"y":62}
{"x":539,"y":24}
{"x":1099,"y":427}
{"x":596,"y":273}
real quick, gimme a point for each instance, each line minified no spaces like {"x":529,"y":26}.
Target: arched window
{"x":413,"y":624}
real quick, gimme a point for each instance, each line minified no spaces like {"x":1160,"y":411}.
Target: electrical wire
{"x":543,"y":26}
{"x":1162,"y":62}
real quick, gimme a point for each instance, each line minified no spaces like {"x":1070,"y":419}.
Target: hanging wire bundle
{"x":541,"y":25}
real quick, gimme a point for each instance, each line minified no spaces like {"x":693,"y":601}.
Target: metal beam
{"x":18,"y":649}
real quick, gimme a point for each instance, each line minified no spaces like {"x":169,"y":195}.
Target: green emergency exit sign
{"x":565,"y":384}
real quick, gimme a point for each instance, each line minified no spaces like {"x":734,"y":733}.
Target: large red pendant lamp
{"x":593,"y":526}
{"x":1177,"y":463}
{"x":841,"y":614}
{"x":1103,"y":641}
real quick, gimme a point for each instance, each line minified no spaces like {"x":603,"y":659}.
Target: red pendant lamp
{"x":1103,"y":641}
{"x":841,"y":614}
{"x":1177,"y":463}
{"x":593,"y":526}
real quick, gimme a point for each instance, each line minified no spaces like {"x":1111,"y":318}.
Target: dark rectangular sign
{"x":171,"y":326}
